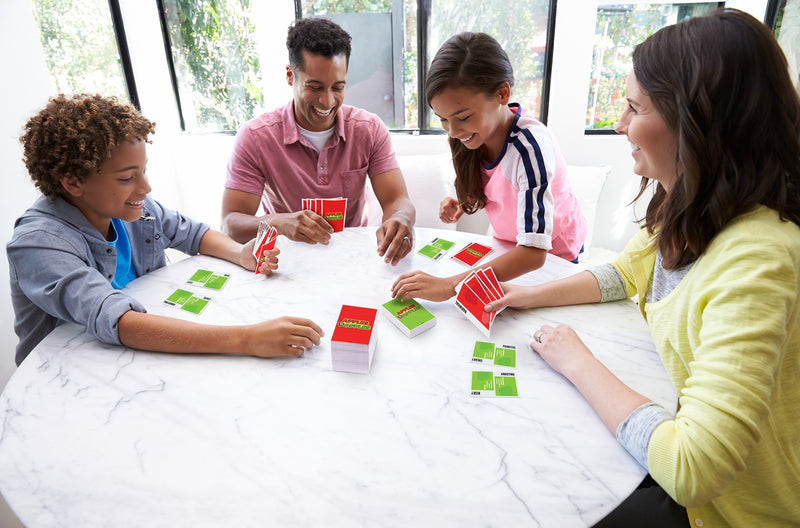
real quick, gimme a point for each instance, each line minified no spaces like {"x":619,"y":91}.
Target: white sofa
{"x":428,"y":172}
{"x":199,"y":162}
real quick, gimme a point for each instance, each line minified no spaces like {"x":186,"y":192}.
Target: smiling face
{"x":475,"y":118}
{"x":655,"y":145}
{"x":318,"y":90}
{"x":116,"y":190}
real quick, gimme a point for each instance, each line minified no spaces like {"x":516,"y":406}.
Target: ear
{"x":71,"y":185}
{"x":289,"y":75}
{"x":504,"y":93}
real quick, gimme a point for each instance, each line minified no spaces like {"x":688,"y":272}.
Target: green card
{"x":497,"y":355}
{"x":185,"y":300}
{"x":409,"y":316}
{"x":436,"y":248}
{"x":208,"y":279}
{"x":499,"y":384}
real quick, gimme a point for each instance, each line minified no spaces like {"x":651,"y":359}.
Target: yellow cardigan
{"x":729,"y":337}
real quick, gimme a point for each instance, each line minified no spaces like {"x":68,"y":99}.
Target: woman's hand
{"x":562,"y":349}
{"x":419,"y":284}
{"x":450,"y":210}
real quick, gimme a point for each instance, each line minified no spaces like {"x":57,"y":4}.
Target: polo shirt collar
{"x":291,"y":132}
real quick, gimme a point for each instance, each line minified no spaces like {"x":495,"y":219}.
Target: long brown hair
{"x":721,"y":82}
{"x":475,"y":61}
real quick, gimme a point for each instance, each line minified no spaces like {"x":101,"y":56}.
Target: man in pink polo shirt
{"x":316,"y":147}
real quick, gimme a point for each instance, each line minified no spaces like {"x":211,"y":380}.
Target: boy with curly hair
{"x":96,"y":228}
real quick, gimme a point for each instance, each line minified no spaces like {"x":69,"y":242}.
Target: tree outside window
{"x":80,"y":47}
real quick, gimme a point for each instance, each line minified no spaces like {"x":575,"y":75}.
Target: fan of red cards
{"x":333,"y":210}
{"x":478,"y":289}
{"x":265,"y":240}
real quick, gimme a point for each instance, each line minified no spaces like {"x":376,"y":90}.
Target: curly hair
{"x":319,"y":36}
{"x":478,"y":62}
{"x":722,"y":83}
{"x":73,"y":135}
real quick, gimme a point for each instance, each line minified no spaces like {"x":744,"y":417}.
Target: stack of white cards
{"x":354,"y":339}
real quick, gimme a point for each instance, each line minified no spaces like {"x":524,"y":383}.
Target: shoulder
{"x":760,"y":229}
{"x":360,"y":120}
{"x":266,"y":122}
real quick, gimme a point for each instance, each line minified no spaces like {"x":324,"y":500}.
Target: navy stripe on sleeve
{"x":532,"y":184}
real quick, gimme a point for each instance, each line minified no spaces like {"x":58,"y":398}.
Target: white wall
{"x":25,"y":88}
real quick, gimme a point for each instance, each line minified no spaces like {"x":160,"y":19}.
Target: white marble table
{"x":98,"y":435}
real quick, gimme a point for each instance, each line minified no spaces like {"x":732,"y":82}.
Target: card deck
{"x":409,"y":316}
{"x":354,"y":339}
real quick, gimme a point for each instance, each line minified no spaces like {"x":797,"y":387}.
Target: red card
{"x":472,"y":253}
{"x":354,"y":325}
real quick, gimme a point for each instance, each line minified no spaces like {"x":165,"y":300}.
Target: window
{"x":221,"y":65}
{"x":784,"y":18}
{"x":521,"y":27}
{"x":619,"y":28}
{"x":80,"y":46}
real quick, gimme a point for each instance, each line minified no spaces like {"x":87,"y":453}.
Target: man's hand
{"x":395,"y":240}
{"x":302,"y":226}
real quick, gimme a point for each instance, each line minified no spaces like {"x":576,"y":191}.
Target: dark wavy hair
{"x":319,"y":36}
{"x":721,"y":82}
{"x":475,"y":61}
{"x":74,"y":135}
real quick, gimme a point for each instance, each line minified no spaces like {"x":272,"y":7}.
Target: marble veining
{"x":100,"y":435}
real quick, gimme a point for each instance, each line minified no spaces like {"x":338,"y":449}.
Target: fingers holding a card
{"x":395,"y":240}
{"x":284,"y":336}
{"x":421,"y":285}
{"x":303,"y":226}
{"x":516,"y":296}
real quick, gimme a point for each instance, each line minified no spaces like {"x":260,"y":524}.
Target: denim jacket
{"x":61,"y":267}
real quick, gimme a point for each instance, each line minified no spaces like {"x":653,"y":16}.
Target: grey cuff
{"x":635,"y":431}
{"x":612,"y":287}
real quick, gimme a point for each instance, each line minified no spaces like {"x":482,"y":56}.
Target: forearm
{"x":216,"y":244}
{"x":401,"y":209}
{"x":516,"y":262}
{"x":612,"y":400}
{"x":241,"y":227}
{"x":145,"y":331}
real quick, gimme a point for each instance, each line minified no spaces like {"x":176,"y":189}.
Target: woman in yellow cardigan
{"x":714,"y":124}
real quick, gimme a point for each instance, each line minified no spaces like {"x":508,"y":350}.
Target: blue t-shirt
{"x":124,"y":272}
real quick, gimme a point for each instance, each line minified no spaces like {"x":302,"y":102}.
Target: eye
{"x":632,"y":109}
{"x":464,"y":119}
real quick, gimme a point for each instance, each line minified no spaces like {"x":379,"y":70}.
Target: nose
{"x":144,"y":184}
{"x":621,"y":126}
{"x":327,"y":99}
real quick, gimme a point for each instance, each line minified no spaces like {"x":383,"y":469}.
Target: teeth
{"x":320,"y":112}
{"x":466,"y":138}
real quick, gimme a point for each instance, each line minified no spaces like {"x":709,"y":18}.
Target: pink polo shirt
{"x":529,"y":198}
{"x":271,"y":159}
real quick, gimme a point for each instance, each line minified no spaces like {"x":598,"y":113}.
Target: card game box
{"x":409,"y":316}
{"x":354,"y":339}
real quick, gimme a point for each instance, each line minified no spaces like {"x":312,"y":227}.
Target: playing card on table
{"x":472,"y":253}
{"x":436,"y":248}
{"x":487,"y":383}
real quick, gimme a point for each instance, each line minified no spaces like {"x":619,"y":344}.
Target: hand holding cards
{"x":478,"y":289}
{"x":265,"y":240}
{"x":333,"y":210}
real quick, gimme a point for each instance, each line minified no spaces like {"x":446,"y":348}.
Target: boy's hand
{"x":284,"y":336}
{"x":248,"y":261}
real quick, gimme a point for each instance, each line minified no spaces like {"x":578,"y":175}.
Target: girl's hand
{"x":419,"y":284}
{"x":516,"y":296}
{"x":562,"y":349}
{"x":248,"y":261}
{"x":450,"y":210}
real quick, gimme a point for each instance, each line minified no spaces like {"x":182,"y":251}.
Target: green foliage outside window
{"x":80,"y":47}
{"x":216,"y":61}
